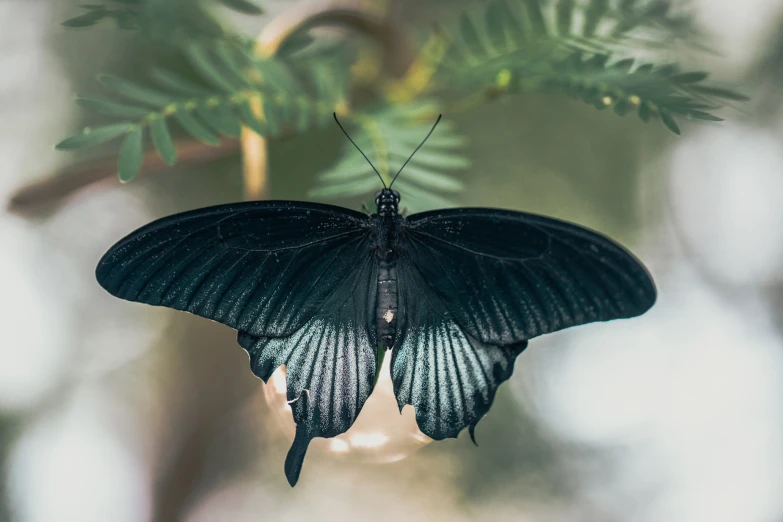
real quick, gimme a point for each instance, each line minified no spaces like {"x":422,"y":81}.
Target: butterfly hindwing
{"x":510,"y":276}
{"x":330,"y":361}
{"x":261,"y":267}
{"x":449,"y":376}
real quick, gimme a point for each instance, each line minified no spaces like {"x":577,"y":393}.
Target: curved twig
{"x":35,"y":195}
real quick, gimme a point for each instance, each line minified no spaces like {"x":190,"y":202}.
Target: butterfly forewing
{"x":506,"y":276}
{"x":261,"y":267}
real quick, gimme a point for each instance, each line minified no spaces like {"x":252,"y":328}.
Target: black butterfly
{"x":455,"y":294}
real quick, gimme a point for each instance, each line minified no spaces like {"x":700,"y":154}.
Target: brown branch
{"x":398,"y":50}
{"x":54,"y":190}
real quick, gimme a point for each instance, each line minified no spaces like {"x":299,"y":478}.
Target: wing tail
{"x":295,"y":458}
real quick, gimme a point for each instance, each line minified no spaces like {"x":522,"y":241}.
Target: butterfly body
{"x":387,"y":224}
{"x":386,"y":304}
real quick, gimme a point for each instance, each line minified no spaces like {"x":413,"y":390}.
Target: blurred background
{"x":118,"y":411}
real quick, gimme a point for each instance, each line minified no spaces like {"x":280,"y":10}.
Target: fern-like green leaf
{"x":657,"y":92}
{"x":128,"y":16}
{"x":221,"y":119}
{"x":536,"y":23}
{"x":357,"y":187}
{"x":436,"y":159}
{"x":414,"y":199}
{"x":670,"y":123}
{"x":700,"y":115}
{"x":428,"y":179}
{"x":159,"y":18}
{"x":250,"y":120}
{"x":272,"y":117}
{"x":243,"y":6}
{"x":304,"y":118}
{"x":89,"y":137}
{"x":511,"y":34}
{"x":277,"y":76}
{"x":471,"y":38}
{"x":564,"y":14}
{"x":503,"y":29}
{"x":595,"y":12}
{"x":567,"y":46}
{"x":136,"y":92}
{"x":719,"y":92}
{"x":236,"y":68}
{"x":161,"y":138}
{"x":110,"y":108}
{"x":178,"y":85}
{"x":87,"y":19}
{"x":216,"y":99}
{"x":131,"y":155}
{"x":203,"y":63}
{"x":221,"y":104}
{"x":195,"y":128}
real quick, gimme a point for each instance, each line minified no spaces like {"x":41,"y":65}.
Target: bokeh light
{"x":724,"y":188}
{"x":31,"y":356}
{"x":72,"y":466}
{"x":381,"y":434}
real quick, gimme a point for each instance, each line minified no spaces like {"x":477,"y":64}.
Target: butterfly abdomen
{"x":386,"y":304}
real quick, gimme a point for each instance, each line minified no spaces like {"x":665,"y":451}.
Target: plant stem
{"x":54,"y":190}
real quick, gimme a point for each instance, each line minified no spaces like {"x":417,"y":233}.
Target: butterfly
{"x":454,"y":294}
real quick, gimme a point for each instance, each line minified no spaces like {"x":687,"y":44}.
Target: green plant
{"x":234,"y":81}
{"x":586,"y":50}
{"x":149,"y":14}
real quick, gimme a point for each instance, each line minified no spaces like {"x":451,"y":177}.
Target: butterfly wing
{"x":447,"y":374}
{"x":331,"y":363}
{"x":298,"y":280}
{"x":476,"y":284}
{"x":508,"y":276}
{"x":260,"y":267}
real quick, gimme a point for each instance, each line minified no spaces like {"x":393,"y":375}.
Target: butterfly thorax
{"x":386,"y":237}
{"x":387,"y":223}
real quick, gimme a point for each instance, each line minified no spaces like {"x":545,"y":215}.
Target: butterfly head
{"x":387,"y":201}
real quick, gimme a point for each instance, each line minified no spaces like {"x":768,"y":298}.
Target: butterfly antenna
{"x":360,"y":150}
{"x":417,"y":149}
